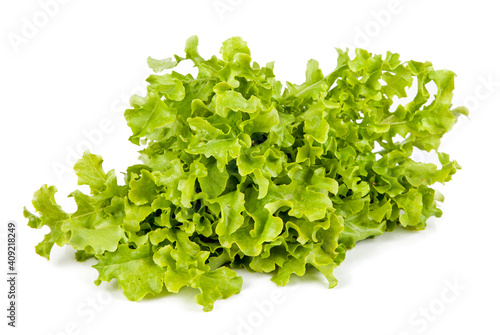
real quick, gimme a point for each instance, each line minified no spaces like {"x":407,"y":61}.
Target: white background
{"x":79,"y":68}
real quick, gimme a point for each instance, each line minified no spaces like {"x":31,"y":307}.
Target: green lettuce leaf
{"x":240,"y":171}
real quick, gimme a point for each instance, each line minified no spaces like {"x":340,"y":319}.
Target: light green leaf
{"x":134,"y":270}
